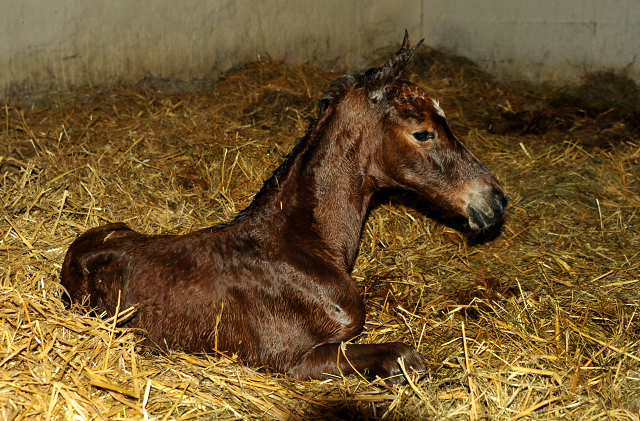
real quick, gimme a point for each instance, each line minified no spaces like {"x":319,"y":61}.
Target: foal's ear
{"x":376,"y":78}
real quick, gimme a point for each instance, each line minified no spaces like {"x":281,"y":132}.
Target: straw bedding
{"x":535,"y":322}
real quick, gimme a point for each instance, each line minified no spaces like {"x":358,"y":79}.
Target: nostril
{"x":499,"y":203}
{"x":488,"y":211}
{"x":476,"y":219}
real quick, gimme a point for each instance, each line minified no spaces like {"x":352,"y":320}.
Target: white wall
{"x":53,"y":44}
{"x":57,"y":43}
{"x":556,"y":40}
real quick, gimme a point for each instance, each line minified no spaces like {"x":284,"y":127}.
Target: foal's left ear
{"x":376,"y":78}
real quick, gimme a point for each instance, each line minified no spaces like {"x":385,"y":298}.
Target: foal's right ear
{"x":376,"y":79}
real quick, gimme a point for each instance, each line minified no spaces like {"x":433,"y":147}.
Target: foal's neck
{"x":318,"y":198}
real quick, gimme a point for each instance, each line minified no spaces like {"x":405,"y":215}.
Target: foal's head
{"x":411,"y":144}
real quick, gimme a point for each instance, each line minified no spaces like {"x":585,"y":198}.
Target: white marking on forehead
{"x":439,"y":110}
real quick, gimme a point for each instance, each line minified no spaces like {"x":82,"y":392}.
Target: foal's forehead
{"x":411,"y":101}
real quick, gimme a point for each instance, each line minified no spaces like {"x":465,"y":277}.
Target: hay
{"x":536,"y":323}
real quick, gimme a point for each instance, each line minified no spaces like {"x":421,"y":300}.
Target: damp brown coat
{"x":273,"y":286}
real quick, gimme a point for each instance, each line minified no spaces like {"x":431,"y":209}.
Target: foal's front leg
{"x":370,"y":360}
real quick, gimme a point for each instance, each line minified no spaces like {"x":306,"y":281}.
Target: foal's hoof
{"x":389,"y":368}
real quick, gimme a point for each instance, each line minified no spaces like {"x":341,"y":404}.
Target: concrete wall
{"x":54,"y":44}
{"x":51,"y":44}
{"x":556,"y":40}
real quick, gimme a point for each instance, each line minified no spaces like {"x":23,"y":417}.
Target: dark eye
{"x":422,"y":136}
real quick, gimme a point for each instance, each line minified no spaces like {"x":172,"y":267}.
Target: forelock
{"x":409,"y":99}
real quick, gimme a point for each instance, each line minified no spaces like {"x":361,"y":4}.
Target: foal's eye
{"x":423,"y":136}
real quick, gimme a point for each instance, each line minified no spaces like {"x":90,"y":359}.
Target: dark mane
{"x":271,"y":182}
{"x":336,"y":88}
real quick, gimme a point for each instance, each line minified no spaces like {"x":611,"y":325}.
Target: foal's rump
{"x":91,"y":270}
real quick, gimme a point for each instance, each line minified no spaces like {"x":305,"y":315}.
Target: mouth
{"x":481,"y":218}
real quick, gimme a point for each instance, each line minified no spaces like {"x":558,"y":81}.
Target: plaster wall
{"x":541,"y":40}
{"x":54,"y":44}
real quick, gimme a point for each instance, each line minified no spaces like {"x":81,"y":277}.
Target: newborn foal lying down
{"x":278,"y":276}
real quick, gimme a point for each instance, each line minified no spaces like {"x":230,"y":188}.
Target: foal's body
{"x":274,"y":285}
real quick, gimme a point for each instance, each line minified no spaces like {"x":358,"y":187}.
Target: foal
{"x":273,"y":286}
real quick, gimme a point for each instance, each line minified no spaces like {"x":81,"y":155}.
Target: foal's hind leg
{"x":370,"y":360}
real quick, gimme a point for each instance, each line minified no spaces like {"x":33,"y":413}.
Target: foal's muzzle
{"x":483,"y":218}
